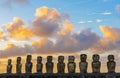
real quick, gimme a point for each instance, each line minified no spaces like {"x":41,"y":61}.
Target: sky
{"x":59,"y":27}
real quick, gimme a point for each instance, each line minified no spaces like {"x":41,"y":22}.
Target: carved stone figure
{"x":61,"y":64}
{"x":39,"y":64}
{"x":71,"y":64}
{"x":83,"y":65}
{"x":49,"y":65}
{"x":111,"y":64}
{"x":28,"y":65}
{"x":9,"y":66}
{"x":18,"y":65}
{"x":96,"y":64}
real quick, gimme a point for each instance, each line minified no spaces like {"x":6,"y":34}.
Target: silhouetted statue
{"x":83,"y":64}
{"x":39,"y":64}
{"x":71,"y":64}
{"x":18,"y":65}
{"x":49,"y":65}
{"x":111,"y":64}
{"x":61,"y":64}
{"x":9,"y":66}
{"x":96,"y":64}
{"x":28,"y":65}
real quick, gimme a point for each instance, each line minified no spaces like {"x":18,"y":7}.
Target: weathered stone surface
{"x":9,"y":66}
{"x":83,"y":65}
{"x":28,"y":65}
{"x":49,"y":65}
{"x":61,"y":64}
{"x":111,"y":64}
{"x":18,"y":65}
{"x":71,"y":64}
{"x":39,"y":65}
{"x":96,"y":64}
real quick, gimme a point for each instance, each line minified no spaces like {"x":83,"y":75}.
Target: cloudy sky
{"x":59,"y":28}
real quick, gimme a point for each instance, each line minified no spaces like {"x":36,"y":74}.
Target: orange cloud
{"x":46,"y":22}
{"x":46,"y":13}
{"x":55,"y":34}
{"x":1,"y":34}
{"x":110,"y":32}
{"x":17,"y":30}
{"x":110,"y":40}
{"x":67,"y":28}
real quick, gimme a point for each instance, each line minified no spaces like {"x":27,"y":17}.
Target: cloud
{"x":46,"y":21}
{"x":118,"y":8}
{"x":1,"y":33}
{"x":109,"y":42}
{"x":67,"y":28}
{"x":90,"y":21}
{"x":55,"y":34}
{"x":17,"y":30}
{"x":98,"y":20}
{"x":76,"y":42}
{"x":106,"y":13}
{"x":9,"y":3}
{"x":81,"y":22}
{"x":101,"y":13}
{"x":13,"y":50}
{"x":111,"y":32}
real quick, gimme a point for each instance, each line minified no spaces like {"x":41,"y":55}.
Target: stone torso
{"x":9,"y":68}
{"x":18,"y":68}
{"x":83,"y":67}
{"x":39,"y":68}
{"x":61,"y":67}
{"x":111,"y":66}
{"x":28,"y":67}
{"x":49,"y":67}
{"x":96,"y":67}
{"x":71,"y":67}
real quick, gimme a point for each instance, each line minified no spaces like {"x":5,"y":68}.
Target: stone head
{"x":49,"y":58}
{"x":18,"y":59}
{"x":83,"y":57}
{"x":9,"y":61}
{"x":29,"y":58}
{"x":71,"y":58}
{"x":60,"y":59}
{"x":39,"y":59}
{"x":111,"y":57}
{"x":95,"y":57}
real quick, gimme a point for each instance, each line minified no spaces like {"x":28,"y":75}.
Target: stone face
{"x":111,"y":64}
{"x":18,"y":65}
{"x":96,"y":64}
{"x":9,"y":66}
{"x":83,"y":65}
{"x":71,"y":64}
{"x":49,"y":65}
{"x":28,"y":65}
{"x":61,"y":64}
{"x":39,"y":64}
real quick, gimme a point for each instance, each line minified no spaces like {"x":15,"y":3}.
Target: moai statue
{"x":28,"y":65}
{"x":9,"y":66}
{"x":18,"y":65}
{"x":71,"y":64}
{"x":111,"y":64}
{"x":96,"y":64}
{"x":83,"y":65}
{"x":61,"y":64}
{"x":49,"y":65}
{"x":39,"y":64}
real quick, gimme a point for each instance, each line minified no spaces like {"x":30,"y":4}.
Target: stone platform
{"x":66,"y":75}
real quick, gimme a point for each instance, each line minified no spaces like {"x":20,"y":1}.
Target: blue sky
{"x":90,"y":26}
{"x":83,"y":13}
